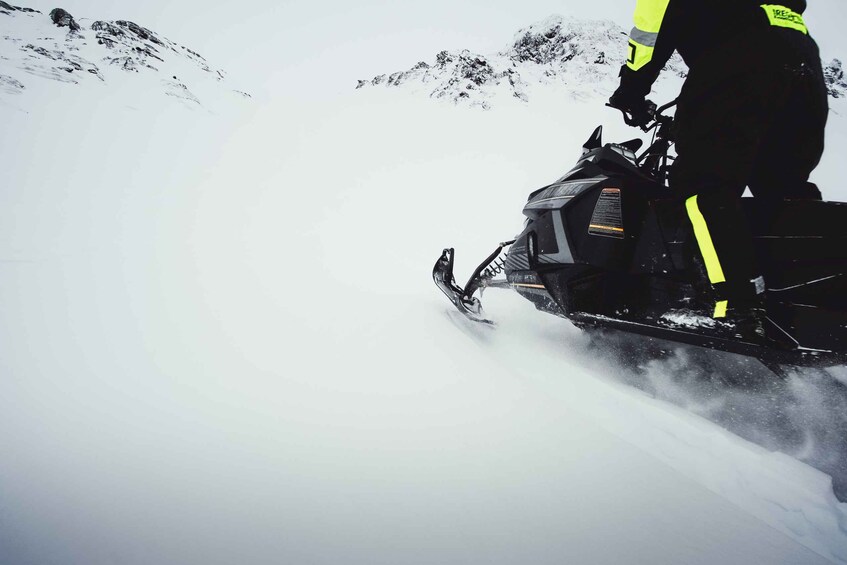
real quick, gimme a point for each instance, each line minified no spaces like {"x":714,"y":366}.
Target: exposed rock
{"x":547,"y":46}
{"x":53,"y":72}
{"x":196,"y":54}
{"x":140,"y":32}
{"x":52,"y":55}
{"x":833,"y":74}
{"x":466,"y":67}
{"x":10,"y":85}
{"x":61,"y":61}
{"x":107,"y":27}
{"x":126,"y":63}
{"x":63,"y":19}
{"x":179,"y":90}
{"x":7,"y":8}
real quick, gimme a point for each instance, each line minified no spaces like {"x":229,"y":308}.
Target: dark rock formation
{"x":60,"y":61}
{"x":179,"y":90}
{"x":53,"y":55}
{"x":473,"y":68}
{"x":140,"y":32}
{"x":8,"y":8}
{"x":107,"y":27}
{"x":833,"y":74}
{"x":63,"y":19}
{"x":126,"y":63}
{"x":137,"y":46}
{"x":10,"y":85}
{"x":547,"y":47}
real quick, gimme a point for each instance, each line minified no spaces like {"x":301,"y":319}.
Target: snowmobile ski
{"x":463,"y":298}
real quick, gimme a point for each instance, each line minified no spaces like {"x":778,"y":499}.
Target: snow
{"x":688,"y":319}
{"x":221,"y":343}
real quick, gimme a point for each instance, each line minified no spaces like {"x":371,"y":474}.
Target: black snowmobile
{"x":609,"y":246}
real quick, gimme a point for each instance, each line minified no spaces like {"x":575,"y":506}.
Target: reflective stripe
{"x":648,"y":21}
{"x":704,"y":240}
{"x":646,"y":38}
{"x":783,"y":17}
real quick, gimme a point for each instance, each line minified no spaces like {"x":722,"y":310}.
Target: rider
{"x":751,"y":114}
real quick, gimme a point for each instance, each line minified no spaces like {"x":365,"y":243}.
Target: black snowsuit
{"x":751,"y":113}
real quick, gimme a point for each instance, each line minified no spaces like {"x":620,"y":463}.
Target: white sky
{"x":271,"y":45}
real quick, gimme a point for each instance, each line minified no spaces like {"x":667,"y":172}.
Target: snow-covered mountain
{"x":582,"y":56}
{"x":38,"y":50}
{"x":835,"y":81}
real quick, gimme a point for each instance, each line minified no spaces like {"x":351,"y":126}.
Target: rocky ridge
{"x":77,"y":52}
{"x":836,"y":85}
{"x":7,"y":8}
{"x":583,"y":56}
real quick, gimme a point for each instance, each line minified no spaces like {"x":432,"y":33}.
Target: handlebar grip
{"x":626,"y":118}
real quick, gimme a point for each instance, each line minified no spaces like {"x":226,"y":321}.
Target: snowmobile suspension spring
{"x":494,"y":269}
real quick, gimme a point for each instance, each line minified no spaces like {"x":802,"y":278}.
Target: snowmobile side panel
{"x":557,"y":195}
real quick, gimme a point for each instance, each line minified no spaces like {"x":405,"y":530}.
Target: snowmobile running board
{"x":482,"y":277}
{"x":774,"y":358}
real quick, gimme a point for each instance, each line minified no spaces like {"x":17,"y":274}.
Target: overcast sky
{"x":301,"y":45}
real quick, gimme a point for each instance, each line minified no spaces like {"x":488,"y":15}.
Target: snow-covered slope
{"x":119,"y":57}
{"x":220,"y":343}
{"x":580,"y":57}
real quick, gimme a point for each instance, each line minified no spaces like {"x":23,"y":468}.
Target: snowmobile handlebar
{"x":661,"y":121}
{"x":655,"y":160}
{"x":656,"y":116}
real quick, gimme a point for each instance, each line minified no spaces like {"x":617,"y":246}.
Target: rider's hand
{"x":638,"y":112}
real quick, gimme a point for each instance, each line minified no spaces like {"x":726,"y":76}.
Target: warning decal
{"x":607,"y":219}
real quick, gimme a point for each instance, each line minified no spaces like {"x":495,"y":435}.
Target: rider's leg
{"x":726,"y":111}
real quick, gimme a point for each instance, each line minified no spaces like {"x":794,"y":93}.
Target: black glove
{"x":637,"y":112}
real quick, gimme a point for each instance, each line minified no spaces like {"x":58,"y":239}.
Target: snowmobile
{"x":608,"y":246}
